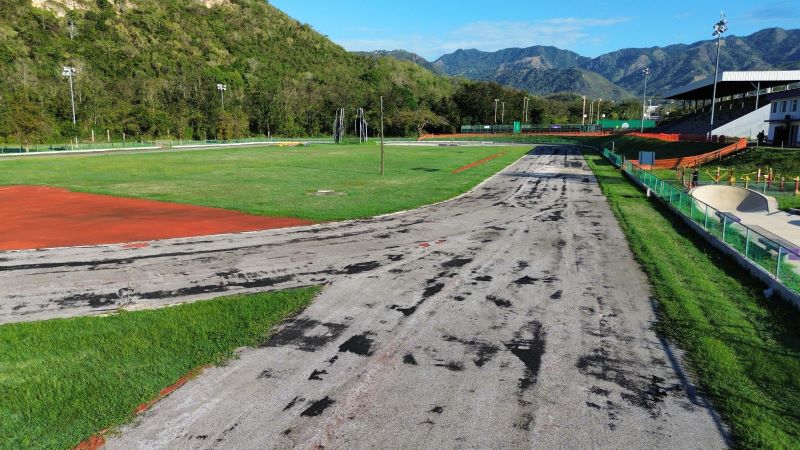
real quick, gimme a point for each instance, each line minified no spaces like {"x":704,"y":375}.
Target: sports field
{"x":64,"y":380}
{"x":270,"y":181}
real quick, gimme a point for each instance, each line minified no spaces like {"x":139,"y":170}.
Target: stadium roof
{"x":731,"y":83}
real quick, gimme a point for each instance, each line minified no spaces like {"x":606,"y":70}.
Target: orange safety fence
{"x":669,"y":137}
{"x":698,"y":160}
{"x":489,"y":136}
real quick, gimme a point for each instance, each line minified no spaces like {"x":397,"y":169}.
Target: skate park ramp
{"x":752,"y":209}
{"x":735,"y":199}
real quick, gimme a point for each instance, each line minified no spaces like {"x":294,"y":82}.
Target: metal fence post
{"x":706,"y":219}
{"x":747,"y":244}
{"x":778,"y":264}
{"x":724,"y":225}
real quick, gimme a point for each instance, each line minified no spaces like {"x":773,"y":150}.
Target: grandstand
{"x":743,"y":107}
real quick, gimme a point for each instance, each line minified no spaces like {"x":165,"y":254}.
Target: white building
{"x":784,"y":119}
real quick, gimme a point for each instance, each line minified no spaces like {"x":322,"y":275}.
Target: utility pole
{"x":503,"y":114}
{"x":69,"y":72}
{"x":583,"y":118}
{"x":591,"y":110}
{"x":382,"y":152}
{"x":222,"y":88}
{"x":646,"y":73}
{"x":719,"y":28}
{"x":496,"y":102}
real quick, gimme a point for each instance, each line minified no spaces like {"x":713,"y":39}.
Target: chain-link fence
{"x":777,"y":257}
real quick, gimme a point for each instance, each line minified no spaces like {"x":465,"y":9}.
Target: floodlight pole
{"x":719,"y":28}
{"x":646,"y":73}
{"x":583,"y":117}
{"x":503,"y":114}
{"x":525,"y":110}
{"x":496,"y":102}
{"x":69,"y":72}
{"x":599,"y":102}
{"x":222,"y":88}
{"x":382,"y":152}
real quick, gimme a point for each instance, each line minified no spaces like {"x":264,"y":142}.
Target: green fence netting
{"x":778,"y":260}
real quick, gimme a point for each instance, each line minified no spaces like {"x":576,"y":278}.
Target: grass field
{"x":744,"y":349}
{"x":63,"y":380}
{"x":630,"y":146}
{"x":274,"y":181}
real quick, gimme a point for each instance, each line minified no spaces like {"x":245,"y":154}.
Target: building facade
{"x":784,"y":119}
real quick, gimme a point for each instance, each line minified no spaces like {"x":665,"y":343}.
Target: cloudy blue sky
{"x":432,"y":28}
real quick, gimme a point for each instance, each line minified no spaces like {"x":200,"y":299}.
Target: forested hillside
{"x":149,"y":68}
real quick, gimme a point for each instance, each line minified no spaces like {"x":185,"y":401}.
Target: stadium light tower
{"x":599,"y":102}
{"x":70,"y":72}
{"x":719,"y":29}
{"x":525,"y":110}
{"x":222,"y":88}
{"x":583,"y":119}
{"x":646,"y":72}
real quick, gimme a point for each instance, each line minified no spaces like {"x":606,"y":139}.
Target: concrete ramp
{"x":735,"y":199}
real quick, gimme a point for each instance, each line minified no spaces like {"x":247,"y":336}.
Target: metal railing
{"x":779,"y":259}
{"x":67,"y":147}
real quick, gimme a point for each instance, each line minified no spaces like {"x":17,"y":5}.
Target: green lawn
{"x":274,"y":181}
{"x":744,"y":349}
{"x":630,"y":146}
{"x":61,"y":381}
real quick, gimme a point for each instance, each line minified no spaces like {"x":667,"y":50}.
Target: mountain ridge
{"x":618,"y":74}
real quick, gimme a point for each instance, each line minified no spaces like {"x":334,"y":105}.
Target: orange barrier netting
{"x":698,"y":160}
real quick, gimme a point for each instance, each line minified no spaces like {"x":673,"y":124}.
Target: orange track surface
{"x":34,"y":217}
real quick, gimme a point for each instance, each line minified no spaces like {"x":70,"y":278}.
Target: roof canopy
{"x":731,"y":83}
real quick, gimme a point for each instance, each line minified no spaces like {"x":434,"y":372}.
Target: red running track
{"x":33,"y":217}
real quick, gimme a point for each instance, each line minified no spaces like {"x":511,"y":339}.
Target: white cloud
{"x":562,"y":32}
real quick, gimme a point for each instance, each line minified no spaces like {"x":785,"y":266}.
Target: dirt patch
{"x":43,"y":217}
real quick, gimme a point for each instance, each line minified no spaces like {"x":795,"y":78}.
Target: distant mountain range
{"x":546,"y":70}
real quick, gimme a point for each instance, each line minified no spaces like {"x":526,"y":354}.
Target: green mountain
{"x":150,"y":68}
{"x":616,"y":75}
{"x":677,"y":65}
{"x":402,"y":55}
{"x":539,"y":70}
{"x":476,"y":64}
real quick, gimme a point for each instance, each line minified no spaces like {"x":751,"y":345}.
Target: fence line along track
{"x":769,"y":258}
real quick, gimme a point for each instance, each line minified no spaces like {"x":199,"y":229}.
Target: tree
{"x":25,"y":120}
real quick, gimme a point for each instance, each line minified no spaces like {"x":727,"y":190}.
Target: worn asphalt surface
{"x":512,"y":317}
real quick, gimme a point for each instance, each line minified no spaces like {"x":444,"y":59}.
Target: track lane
{"x":512,"y":317}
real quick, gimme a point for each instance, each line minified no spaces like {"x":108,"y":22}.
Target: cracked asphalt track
{"x":512,"y":317}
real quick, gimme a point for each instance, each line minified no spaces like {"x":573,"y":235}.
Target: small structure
{"x":784,"y":119}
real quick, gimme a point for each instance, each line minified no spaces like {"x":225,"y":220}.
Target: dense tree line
{"x":149,"y":69}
